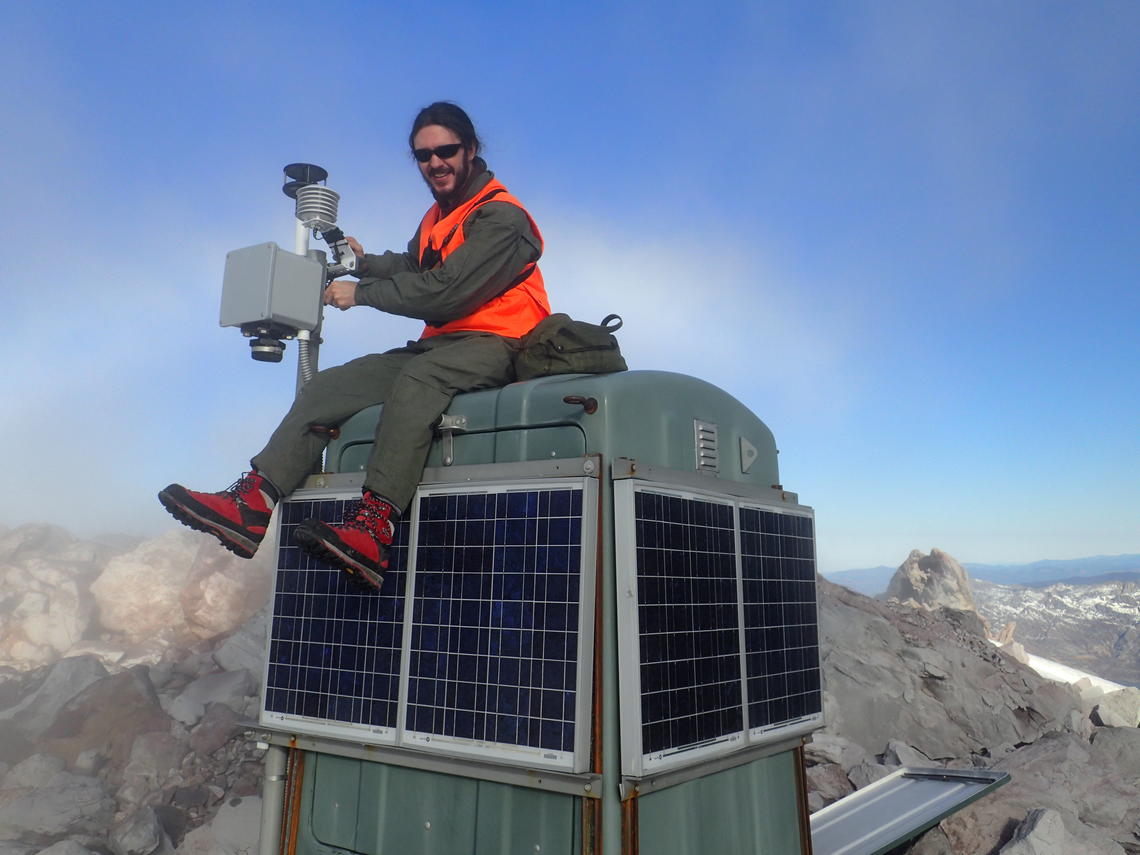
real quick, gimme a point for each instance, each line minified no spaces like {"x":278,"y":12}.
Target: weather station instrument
{"x":273,"y":295}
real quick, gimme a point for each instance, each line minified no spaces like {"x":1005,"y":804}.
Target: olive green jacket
{"x":498,"y":243}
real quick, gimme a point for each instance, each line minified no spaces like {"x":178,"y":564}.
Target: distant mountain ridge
{"x":872,"y":581}
{"x":1091,"y":627}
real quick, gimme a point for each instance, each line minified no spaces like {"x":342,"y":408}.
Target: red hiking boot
{"x":359,"y":547}
{"x":238,"y":516}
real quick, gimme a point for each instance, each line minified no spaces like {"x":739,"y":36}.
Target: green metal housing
{"x":357,"y":799}
{"x":641,"y":415}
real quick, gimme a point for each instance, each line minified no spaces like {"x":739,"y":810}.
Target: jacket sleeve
{"x":389,"y":263}
{"x":498,"y":244}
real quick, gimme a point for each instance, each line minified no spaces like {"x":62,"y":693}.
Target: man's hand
{"x":341,"y":293}
{"x":355,"y":246}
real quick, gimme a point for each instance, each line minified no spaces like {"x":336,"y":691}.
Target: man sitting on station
{"x":470,"y":272}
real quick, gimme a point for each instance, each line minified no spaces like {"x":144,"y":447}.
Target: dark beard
{"x":449,"y":202}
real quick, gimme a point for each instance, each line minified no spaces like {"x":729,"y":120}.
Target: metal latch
{"x":447,"y":426}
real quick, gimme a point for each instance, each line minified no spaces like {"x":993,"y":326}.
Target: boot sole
{"x":240,"y":546}
{"x":319,"y":548}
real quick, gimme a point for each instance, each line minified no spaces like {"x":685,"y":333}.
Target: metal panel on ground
{"x":897,"y":808}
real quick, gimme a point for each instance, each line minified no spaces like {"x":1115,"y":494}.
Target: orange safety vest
{"x":513,"y":313}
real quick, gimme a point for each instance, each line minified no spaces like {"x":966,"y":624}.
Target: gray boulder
{"x":1118,"y":709}
{"x":179,"y":588}
{"x":154,"y":764}
{"x":225,"y":687}
{"x":234,"y":830}
{"x":139,"y":834}
{"x":106,"y":718}
{"x":55,"y":685}
{"x":32,"y":772}
{"x":67,"y":805}
{"x":215,"y":729}
{"x":901,"y":754}
{"x":1046,"y":832}
{"x":826,"y":747}
{"x":827,"y":783}
{"x":67,"y":847}
{"x":245,"y":648}
{"x":867,"y":772}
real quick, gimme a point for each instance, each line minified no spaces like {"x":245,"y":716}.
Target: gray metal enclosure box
{"x":264,"y":283}
{"x":719,"y":770}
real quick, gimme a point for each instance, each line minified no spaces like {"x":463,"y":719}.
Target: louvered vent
{"x":708,"y":446}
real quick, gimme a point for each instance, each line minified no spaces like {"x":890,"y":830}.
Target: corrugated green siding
{"x":749,"y":810}
{"x":376,"y":809}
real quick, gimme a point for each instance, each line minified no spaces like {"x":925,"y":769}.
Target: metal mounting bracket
{"x":447,"y":427}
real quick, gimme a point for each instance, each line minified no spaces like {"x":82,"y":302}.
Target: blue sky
{"x":905,"y":234}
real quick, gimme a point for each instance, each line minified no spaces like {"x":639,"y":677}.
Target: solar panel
{"x":483,"y":657}
{"x":496,"y":621}
{"x":781,"y":635}
{"x":689,"y":628}
{"x":334,"y":649}
{"x":717,"y":623}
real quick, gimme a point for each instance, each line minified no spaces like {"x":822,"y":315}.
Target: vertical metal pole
{"x":272,"y":800}
{"x":304,"y":341}
{"x":613,"y":811}
{"x":300,"y":238}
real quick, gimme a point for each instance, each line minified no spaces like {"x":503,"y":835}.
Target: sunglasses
{"x":423,"y":155}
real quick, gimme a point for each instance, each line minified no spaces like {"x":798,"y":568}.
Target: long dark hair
{"x":450,"y":116}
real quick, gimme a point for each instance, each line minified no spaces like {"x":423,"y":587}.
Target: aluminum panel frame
{"x":579,"y":475}
{"x":688,"y":761}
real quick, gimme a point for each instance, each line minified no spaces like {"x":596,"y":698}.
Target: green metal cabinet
{"x":745,"y":796}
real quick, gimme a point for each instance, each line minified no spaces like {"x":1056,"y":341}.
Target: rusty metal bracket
{"x":590,"y":405}
{"x":330,"y":431}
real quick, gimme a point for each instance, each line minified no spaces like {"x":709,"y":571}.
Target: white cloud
{"x":706,"y":308}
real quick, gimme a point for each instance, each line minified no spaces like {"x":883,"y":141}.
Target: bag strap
{"x":606,"y":323}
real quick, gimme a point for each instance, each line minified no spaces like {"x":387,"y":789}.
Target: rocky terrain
{"x":1092,"y":627}
{"x":919,"y":683}
{"x":127,"y":669}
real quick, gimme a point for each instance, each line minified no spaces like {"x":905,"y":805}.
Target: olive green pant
{"x":414,"y":383}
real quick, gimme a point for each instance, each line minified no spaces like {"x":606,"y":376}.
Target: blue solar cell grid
{"x":781,"y":625}
{"x":689,"y":629}
{"x":334,"y":649}
{"x":490,"y":640}
{"x":494,"y":638}
{"x":726,"y":625}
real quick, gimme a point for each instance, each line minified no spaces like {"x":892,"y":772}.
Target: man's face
{"x":444,"y":176}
